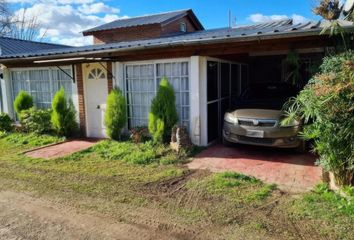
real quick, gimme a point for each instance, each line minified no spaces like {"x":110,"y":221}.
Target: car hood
{"x":257,"y":113}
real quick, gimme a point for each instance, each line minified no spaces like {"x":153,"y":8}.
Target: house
{"x":207,"y":68}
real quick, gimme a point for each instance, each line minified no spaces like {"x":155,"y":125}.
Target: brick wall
{"x":174,"y":27}
{"x":81,"y":97}
{"x":141,"y":32}
{"x":110,"y":76}
{"x":125,"y":34}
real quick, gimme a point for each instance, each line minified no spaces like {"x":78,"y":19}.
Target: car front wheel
{"x":302,"y":147}
{"x":226,"y":143}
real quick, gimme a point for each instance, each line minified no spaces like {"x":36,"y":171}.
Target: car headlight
{"x":230,"y":118}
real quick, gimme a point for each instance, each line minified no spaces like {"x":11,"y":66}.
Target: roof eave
{"x":310,"y":32}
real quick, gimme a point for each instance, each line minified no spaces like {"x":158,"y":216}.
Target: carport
{"x":229,"y":75}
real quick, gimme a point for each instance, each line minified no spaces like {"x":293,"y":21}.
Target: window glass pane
{"x":225,"y":79}
{"x":235,"y":80}
{"x":212,"y":80}
{"x":141,"y":89}
{"x":244,"y":77}
{"x":42,"y":84}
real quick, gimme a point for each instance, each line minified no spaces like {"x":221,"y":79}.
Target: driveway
{"x":291,"y":171}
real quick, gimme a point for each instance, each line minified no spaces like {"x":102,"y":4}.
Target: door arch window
{"x":96,"y":74}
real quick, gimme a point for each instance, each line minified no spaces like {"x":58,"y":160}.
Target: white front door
{"x":96,"y":92}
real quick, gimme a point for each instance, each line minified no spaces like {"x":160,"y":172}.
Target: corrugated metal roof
{"x":276,"y":29}
{"x":142,"y":20}
{"x":9,"y":46}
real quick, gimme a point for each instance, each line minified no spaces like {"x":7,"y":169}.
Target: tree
{"x":116,"y":114}
{"x":331,"y":11}
{"x":5,"y":18}
{"x":63,"y":115}
{"x":23,"y":101}
{"x":326,"y":105}
{"x":25,"y":27}
{"x":19,"y":25}
{"x":163,"y":115}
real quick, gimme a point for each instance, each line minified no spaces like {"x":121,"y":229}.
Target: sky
{"x":62,"y":21}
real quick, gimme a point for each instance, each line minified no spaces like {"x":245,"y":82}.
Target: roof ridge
{"x":155,"y":14}
{"x":31,"y":41}
{"x":137,"y":18}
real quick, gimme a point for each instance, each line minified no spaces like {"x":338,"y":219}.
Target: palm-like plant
{"x":330,"y":10}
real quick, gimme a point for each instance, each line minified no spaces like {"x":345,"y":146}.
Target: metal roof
{"x":144,"y":20}
{"x":269,"y":30}
{"x":10,"y":46}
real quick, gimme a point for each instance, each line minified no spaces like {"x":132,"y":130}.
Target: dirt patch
{"x":25,"y":217}
{"x":173,"y":186}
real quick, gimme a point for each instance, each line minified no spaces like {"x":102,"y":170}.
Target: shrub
{"x":116,"y":114}
{"x":36,"y":120}
{"x":5,"y":122}
{"x":163,"y":115}
{"x":326,"y":104}
{"x":142,"y":153}
{"x":23,"y":101}
{"x":63,"y":116}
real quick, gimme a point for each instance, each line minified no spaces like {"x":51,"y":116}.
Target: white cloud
{"x":258,"y":18}
{"x":52,"y":1}
{"x":63,"y":23}
{"x":96,"y":8}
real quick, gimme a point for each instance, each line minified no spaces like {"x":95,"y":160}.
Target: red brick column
{"x":81,"y":97}
{"x":109,"y":76}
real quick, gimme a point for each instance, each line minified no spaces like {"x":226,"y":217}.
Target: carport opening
{"x":231,"y":78}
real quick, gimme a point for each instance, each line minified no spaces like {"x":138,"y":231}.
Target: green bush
{"x":23,"y":101}
{"x":36,"y":120}
{"x":116,"y":114}
{"x":31,"y":139}
{"x":5,"y":122}
{"x":326,"y":105}
{"x":163,"y":115}
{"x":142,"y":153}
{"x":63,"y":116}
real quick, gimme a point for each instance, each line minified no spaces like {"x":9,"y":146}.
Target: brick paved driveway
{"x":291,"y":171}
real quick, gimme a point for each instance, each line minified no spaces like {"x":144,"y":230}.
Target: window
{"x":96,"y":74}
{"x":183,"y":27}
{"x":142,"y":83}
{"x":42,"y":84}
{"x":140,"y":91}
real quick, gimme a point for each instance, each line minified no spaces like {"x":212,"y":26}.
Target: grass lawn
{"x":140,"y":183}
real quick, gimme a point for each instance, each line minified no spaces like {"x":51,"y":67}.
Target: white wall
{"x":6,"y":93}
{"x":198,"y":110}
{"x":75,"y":95}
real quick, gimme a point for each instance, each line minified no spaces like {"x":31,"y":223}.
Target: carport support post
{"x":194,"y":100}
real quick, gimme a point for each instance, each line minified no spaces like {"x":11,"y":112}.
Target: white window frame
{"x":27,"y":70}
{"x":154,"y":63}
{"x":183,"y":27}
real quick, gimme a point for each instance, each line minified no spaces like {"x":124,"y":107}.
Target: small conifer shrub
{"x":163,"y":115}
{"x":63,"y":115}
{"x":116,"y":114}
{"x":23,"y":101}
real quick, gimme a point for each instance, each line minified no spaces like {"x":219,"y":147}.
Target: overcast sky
{"x":62,"y":21}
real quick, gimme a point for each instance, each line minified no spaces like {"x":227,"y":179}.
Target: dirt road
{"x":25,"y":217}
